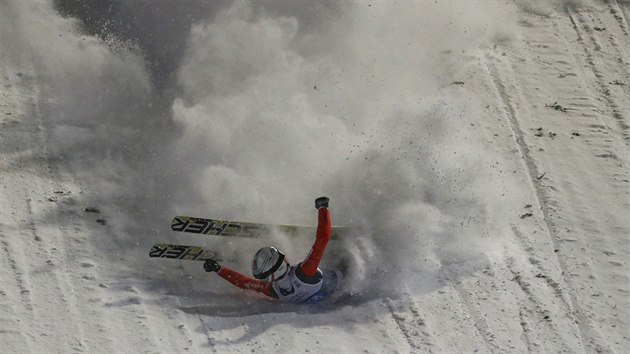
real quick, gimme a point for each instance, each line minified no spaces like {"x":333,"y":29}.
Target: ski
{"x":183,"y":252}
{"x":214,"y":227}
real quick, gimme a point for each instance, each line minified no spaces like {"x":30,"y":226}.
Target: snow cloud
{"x":250,"y":110}
{"x":355,"y":110}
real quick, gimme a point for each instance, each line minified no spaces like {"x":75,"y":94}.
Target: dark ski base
{"x":215,"y":227}
{"x":182,"y":252}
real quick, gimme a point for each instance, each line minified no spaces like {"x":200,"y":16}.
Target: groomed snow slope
{"x":488,"y":169}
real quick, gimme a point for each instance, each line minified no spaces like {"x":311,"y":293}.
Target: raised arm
{"x":324,"y":229}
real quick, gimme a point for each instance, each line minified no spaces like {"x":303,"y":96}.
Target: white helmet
{"x":269,"y":261}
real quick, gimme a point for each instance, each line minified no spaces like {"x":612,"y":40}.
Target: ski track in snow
{"x":532,"y":172}
{"x":552,"y":196}
{"x":556,"y":107}
{"x":408,"y":317}
{"x":33,"y":254}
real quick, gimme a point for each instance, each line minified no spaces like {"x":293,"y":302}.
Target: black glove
{"x":210,"y":265}
{"x":321,"y":202}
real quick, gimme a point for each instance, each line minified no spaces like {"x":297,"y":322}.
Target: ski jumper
{"x":302,"y":281}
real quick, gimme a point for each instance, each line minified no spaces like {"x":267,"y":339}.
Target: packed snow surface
{"x":479,"y":149}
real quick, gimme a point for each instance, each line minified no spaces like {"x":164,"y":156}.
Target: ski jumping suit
{"x":302,"y":281}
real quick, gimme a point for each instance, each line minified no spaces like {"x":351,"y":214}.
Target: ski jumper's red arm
{"x":245,"y":282}
{"x":324,"y":229}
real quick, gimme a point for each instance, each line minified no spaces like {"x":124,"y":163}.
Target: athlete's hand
{"x":321,"y":202}
{"x":210,"y":265}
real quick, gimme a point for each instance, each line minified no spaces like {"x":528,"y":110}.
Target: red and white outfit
{"x":301,"y":282}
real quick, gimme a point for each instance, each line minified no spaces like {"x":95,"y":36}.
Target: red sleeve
{"x":324,"y":229}
{"x":245,"y":282}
